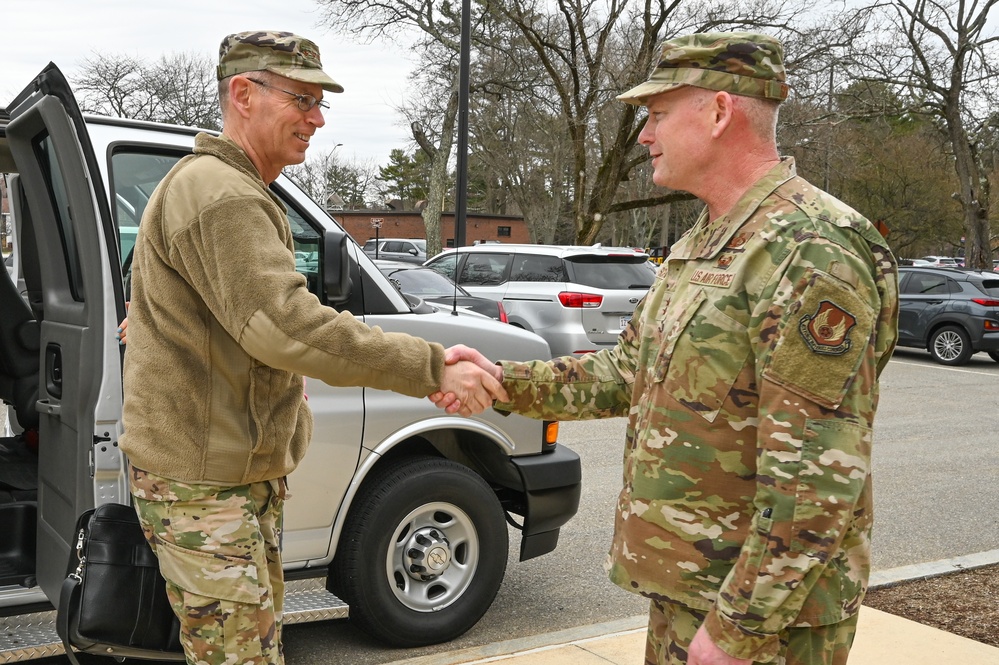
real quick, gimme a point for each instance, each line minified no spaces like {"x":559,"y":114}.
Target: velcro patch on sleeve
{"x":823,"y":339}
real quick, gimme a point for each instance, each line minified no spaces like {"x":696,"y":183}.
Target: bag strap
{"x":69,"y":586}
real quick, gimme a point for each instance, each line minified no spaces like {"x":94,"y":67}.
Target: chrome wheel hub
{"x":427,"y":554}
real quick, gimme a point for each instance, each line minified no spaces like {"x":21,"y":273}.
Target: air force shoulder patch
{"x":827,"y":330}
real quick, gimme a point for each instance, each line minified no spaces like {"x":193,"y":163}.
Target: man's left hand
{"x":703,"y":651}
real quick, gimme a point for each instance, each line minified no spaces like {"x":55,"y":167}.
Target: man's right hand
{"x":467,"y":388}
{"x":450,"y":401}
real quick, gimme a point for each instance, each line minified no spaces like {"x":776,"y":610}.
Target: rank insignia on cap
{"x":827,"y":331}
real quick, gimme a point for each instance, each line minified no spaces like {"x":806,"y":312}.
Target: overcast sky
{"x":36,"y":32}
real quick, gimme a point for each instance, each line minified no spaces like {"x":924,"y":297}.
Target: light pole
{"x":460,"y":198}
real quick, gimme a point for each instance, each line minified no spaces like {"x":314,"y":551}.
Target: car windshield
{"x":424,"y":282}
{"x":611,"y":272}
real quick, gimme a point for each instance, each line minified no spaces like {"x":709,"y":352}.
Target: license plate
{"x":624,"y":321}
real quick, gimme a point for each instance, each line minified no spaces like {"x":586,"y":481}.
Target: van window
{"x":445,"y":265}
{"x":45,"y":151}
{"x":537,"y":268}
{"x":484,"y":269}
{"x":610,"y":272}
{"x":134,"y":176}
{"x":308,"y":257}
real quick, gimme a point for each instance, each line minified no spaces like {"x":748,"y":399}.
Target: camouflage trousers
{"x":672,"y":628}
{"x":219,"y":550}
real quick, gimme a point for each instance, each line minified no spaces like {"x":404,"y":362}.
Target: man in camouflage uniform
{"x":749,"y":376}
{"x":221,"y":331}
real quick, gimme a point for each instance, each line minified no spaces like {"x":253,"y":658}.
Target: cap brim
{"x":640,"y":94}
{"x":307,"y":75}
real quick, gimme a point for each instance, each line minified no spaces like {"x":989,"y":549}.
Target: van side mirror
{"x":336,"y":265}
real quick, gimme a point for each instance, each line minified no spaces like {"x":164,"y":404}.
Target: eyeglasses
{"x":305,"y":102}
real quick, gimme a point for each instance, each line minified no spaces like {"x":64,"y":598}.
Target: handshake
{"x":470,"y":382}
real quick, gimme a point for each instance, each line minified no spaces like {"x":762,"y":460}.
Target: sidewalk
{"x":882,"y":639}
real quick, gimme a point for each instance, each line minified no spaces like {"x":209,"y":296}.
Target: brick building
{"x":409,"y":224}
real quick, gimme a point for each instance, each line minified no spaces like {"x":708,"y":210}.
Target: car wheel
{"x":994,"y":355}
{"x":422,"y":553}
{"x":950,"y":345}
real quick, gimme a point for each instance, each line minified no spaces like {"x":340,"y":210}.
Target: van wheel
{"x":950,"y":346}
{"x":422,"y":553}
{"x":994,"y":355}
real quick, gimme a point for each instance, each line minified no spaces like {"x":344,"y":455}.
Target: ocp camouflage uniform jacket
{"x":749,"y":377}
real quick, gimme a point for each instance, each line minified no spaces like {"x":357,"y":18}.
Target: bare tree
{"x":179,"y":89}
{"x":436,"y":31}
{"x":943,"y":58}
{"x":111,"y":85}
{"x":591,"y":50}
{"x":334,"y":182}
{"x":185,"y":90}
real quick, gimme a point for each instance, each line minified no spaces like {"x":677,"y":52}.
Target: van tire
{"x":412,"y":511}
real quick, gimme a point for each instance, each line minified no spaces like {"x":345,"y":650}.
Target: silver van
{"x":382,"y":473}
{"x":579,"y":298}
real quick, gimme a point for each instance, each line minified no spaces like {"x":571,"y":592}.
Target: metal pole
{"x":461,"y":194}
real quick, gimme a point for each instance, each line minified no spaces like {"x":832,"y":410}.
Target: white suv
{"x":386,"y":478}
{"x":577,"y":298}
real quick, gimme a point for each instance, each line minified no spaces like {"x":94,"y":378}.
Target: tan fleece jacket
{"x":221,"y":327}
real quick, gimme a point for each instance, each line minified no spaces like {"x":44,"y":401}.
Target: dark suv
{"x":949,"y":312}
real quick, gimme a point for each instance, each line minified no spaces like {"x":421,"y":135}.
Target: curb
{"x":582,"y":634}
{"x":921,"y":571}
{"x":497,"y":650}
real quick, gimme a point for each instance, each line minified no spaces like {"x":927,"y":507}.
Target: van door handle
{"x":53,"y":370}
{"x":46,"y":407}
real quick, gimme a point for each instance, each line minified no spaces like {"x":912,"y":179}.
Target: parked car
{"x":578,"y":298}
{"x":941,"y":261}
{"x":914,"y":262}
{"x":409,"y":250}
{"x":388,"y":481}
{"x":949,"y":312}
{"x":431,"y":286}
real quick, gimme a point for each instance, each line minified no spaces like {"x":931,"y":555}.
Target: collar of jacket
{"x":707,"y":238}
{"x":224,"y":148}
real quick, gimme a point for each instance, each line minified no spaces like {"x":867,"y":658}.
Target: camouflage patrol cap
{"x":282,"y":53}
{"x":741,"y":63}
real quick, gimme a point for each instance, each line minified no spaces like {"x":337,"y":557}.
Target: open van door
{"x":76,"y":260}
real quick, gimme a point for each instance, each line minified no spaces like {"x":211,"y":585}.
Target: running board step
{"x":30,"y":636}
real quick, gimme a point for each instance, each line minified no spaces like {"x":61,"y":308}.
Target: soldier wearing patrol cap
{"x":221,"y":330}
{"x":749,"y":377}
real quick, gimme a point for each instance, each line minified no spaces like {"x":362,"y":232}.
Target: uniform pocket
{"x":210,"y":575}
{"x":678,"y":315}
{"x":275,"y":403}
{"x":835,"y":466}
{"x":706,"y":354}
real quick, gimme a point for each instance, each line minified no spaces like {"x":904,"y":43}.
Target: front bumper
{"x":552,"y":484}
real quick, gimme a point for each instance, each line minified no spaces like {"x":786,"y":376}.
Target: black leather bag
{"x":113,"y":602}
